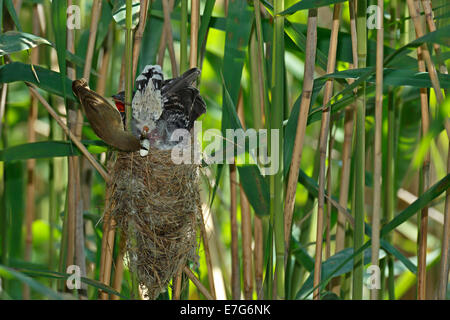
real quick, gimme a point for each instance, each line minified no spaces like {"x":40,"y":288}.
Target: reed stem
{"x":324,"y":129}
{"x":377,"y":165}
{"x":277,"y":114}
{"x":359,"y":174}
{"x":183,"y":36}
{"x":195,"y":21}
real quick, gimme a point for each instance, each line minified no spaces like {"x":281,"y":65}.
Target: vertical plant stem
{"x":103,"y":74}
{"x":432,"y":27}
{"x":414,"y":12}
{"x":277,"y":115}
{"x":107,"y":248}
{"x":261,"y":101}
{"x":183,"y":36}
{"x":162,"y":47}
{"x":389,"y":179}
{"x":235,"y":263}
{"x":262,"y":72}
{"x":177,"y":285}
{"x":3,"y":105}
{"x":118,"y":272}
{"x":255,"y":88}
{"x":389,"y":201}
{"x":139,"y":34}
{"x":246,"y":224}
{"x":4,"y":221}
{"x":445,"y":249}
{"x":423,"y":219}
{"x":209,"y":267}
{"x":377,"y":169}
{"x":358,"y":240}
{"x":53,"y":209}
{"x":128,"y":62}
{"x":308,"y":81}
{"x":31,"y":163}
{"x":324,"y":128}
{"x":195,"y":21}
{"x":345,"y":177}
{"x":329,"y":187}
{"x":96,"y":12}
{"x":246,"y":229}
{"x":73,"y":186}
{"x":258,"y":256}
{"x":346,"y":150}
{"x":167,"y":8}
{"x":83,"y":189}
{"x":444,"y":266}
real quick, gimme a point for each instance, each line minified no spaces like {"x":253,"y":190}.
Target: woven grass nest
{"x":156,"y":205}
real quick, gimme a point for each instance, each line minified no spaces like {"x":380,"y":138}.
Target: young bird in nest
{"x":161,"y":106}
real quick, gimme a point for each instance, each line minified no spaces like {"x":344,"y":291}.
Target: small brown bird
{"x":105,"y":119}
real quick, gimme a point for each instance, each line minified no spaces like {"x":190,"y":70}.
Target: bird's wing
{"x":185,"y":80}
{"x":180,"y":97}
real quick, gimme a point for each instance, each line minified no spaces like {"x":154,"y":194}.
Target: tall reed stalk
{"x":246,"y":222}
{"x":138,"y":35}
{"x":444,"y":266}
{"x":195,"y":21}
{"x":445,"y":251}
{"x":183,"y":36}
{"x":276,"y":122}
{"x":324,"y":129}
{"x":73,"y":183}
{"x":235,"y":261}
{"x":432,"y":27}
{"x":344,"y":184}
{"x":377,"y":165}
{"x":308,"y":81}
{"x":359,"y":173}
{"x":31,"y":163}
{"x":260,"y":107}
{"x":128,"y":61}
{"x":424,"y":185}
{"x":167,"y":8}
{"x":389,"y":203}
{"x":414,"y":12}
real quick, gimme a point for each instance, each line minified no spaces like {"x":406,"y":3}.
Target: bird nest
{"x":156,"y":205}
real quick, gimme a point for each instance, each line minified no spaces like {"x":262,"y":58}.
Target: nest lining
{"x":156,"y":205}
